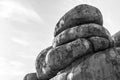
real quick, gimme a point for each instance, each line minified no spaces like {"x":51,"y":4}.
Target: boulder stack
{"x":82,"y":49}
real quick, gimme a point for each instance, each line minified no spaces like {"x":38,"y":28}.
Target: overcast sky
{"x":27,"y":27}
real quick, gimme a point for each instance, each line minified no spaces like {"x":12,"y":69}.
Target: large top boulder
{"x":80,"y":14}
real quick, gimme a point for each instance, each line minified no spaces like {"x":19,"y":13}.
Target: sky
{"x":27,"y":27}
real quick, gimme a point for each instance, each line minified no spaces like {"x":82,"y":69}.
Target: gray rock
{"x":81,"y":14}
{"x":99,"y":43}
{"x":81,"y":31}
{"x":103,"y":65}
{"x":118,"y":50}
{"x":60,"y":57}
{"x":42,"y":73}
{"x":82,"y":49}
{"x":31,"y":76}
{"x":62,"y":76}
{"x":116,"y":38}
{"x":51,"y":60}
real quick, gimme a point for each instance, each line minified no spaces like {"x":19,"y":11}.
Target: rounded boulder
{"x":80,"y":14}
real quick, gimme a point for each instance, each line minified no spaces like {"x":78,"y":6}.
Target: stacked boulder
{"x":82,"y":49}
{"x":116,"y":38}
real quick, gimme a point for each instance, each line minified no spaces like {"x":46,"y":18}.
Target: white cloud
{"x":10,"y":69}
{"x":21,"y":41}
{"x":28,"y":56}
{"x":23,"y":55}
{"x":16,"y":12}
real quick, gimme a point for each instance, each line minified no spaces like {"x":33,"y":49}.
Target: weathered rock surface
{"x":81,"y":31}
{"x":82,"y":49}
{"x":41,"y":69}
{"x":103,"y":65}
{"x":31,"y":76}
{"x":52,"y":60}
{"x":116,"y":38}
{"x":99,"y":43}
{"x":81,"y":14}
{"x":60,"y":57}
{"x":118,"y":50}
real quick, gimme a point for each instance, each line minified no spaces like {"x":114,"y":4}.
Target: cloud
{"x":16,"y":12}
{"x":9,"y":68}
{"x":23,"y":55}
{"x":21,"y":41}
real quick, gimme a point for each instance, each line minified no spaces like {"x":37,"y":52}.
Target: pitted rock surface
{"x":62,"y":56}
{"x":82,"y":49}
{"x":116,"y":38}
{"x":99,"y":43}
{"x":50,"y":61}
{"x":81,"y":31}
{"x":42,"y":70}
{"x":103,"y":65}
{"x":80,"y":14}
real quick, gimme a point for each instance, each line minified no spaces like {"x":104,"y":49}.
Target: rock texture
{"x":80,"y":14}
{"x":82,"y":49}
{"x":31,"y":76}
{"x":81,"y":31}
{"x":116,"y":38}
{"x":42,"y":69}
{"x":103,"y":65}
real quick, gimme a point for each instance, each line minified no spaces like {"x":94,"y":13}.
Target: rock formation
{"x":82,"y":49}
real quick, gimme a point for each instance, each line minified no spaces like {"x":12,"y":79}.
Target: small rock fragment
{"x":99,"y":43}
